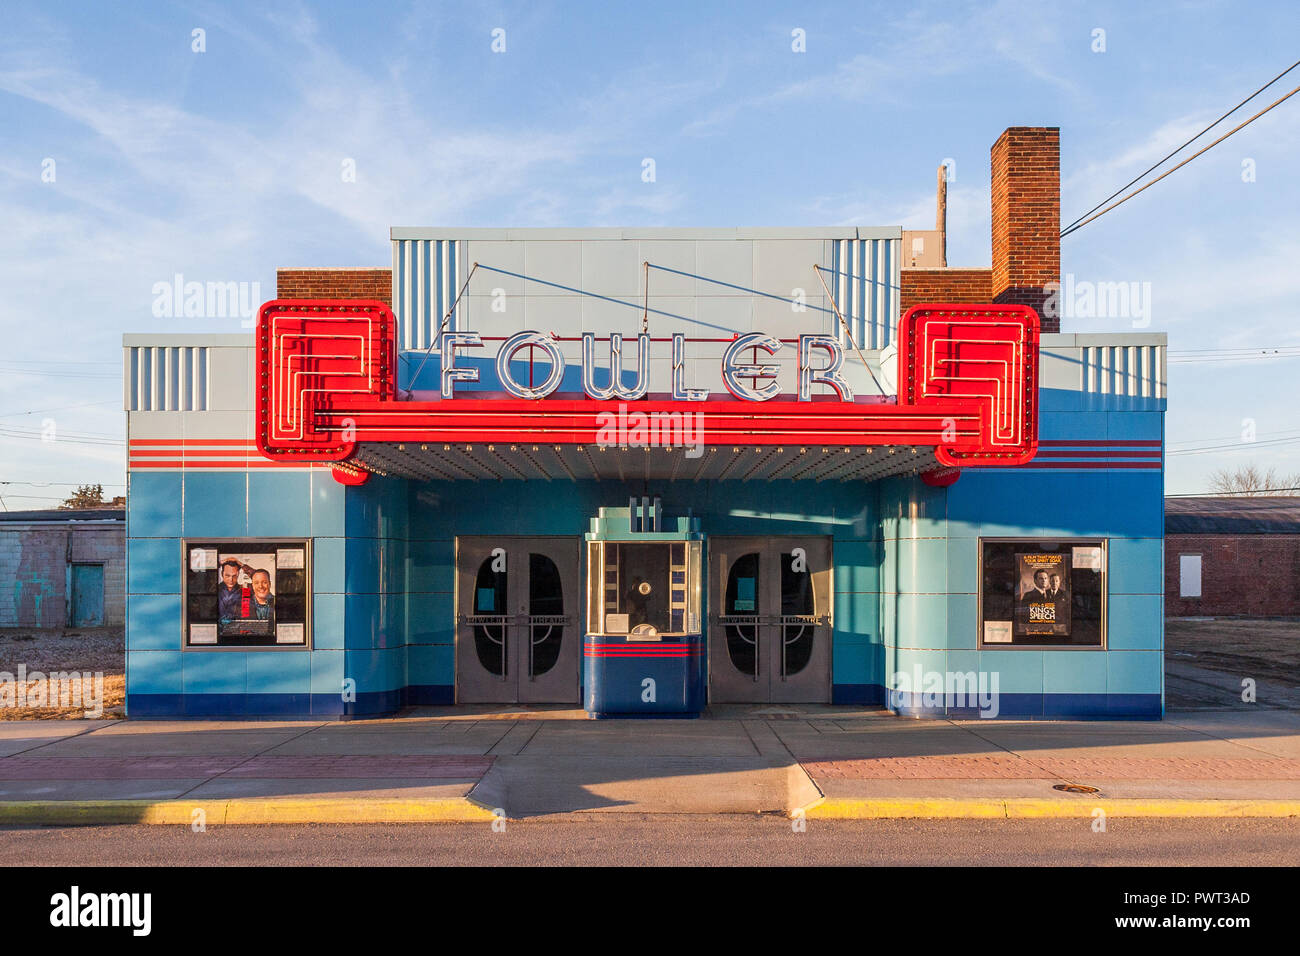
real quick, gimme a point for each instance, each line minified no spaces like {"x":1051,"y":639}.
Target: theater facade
{"x":649,"y":471}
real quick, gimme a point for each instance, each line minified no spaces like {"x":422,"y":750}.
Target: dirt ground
{"x":1210,"y":661}
{"x":1265,"y":648}
{"x":84,"y":650}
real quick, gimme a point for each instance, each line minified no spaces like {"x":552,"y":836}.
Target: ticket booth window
{"x":644,"y":590}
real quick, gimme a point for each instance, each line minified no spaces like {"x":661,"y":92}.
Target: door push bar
{"x":489,"y":620}
{"x":734,"y":620}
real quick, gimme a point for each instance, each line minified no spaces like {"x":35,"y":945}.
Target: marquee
{"x":327,"y":391}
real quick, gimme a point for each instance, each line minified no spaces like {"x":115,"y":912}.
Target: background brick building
{"x":62,"y":568}
{"x":1232,"y":556}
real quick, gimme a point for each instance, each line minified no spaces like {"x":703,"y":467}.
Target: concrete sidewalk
{"x":478,"y":763}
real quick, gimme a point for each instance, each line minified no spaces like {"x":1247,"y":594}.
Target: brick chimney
{"x":1027,"y":217}
{"x":335,"y":284}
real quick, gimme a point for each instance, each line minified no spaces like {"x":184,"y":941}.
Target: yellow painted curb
{"x":843,"y":808}
{"x":244,"y":811}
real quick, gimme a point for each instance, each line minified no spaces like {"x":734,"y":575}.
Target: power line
{"x":1221,"y":350}
{"x":1238,"y":357}
{"x":1287,"y":432}
{"x":46,"y":498}
{"x":50,"y":484}
{"x":61,"y":439}
{"x":1234,"y":446}
{"x":70,"y":374}
{"x":1079,"y":225}
{"x":1263,"y":493}
{"x":58,"y":408}
{"x":1170,"y":156}
{"x":57,"y":362}
{"x":26,"y":430}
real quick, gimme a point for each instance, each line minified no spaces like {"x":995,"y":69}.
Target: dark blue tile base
{"x":1035,"y":706}
{"x":869,"y":694}
{"x":285,"y":706}
{"x":387,"y":703}
{"x":430,"y":695}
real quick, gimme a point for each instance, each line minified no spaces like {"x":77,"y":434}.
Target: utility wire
{"x":1233,"y":447}
{"x":1170,"y":156}
{"x":57,"y":408}
{"x":1262,"y":493}
{"x":50,"y":484}
{"x":1235,"y":348}
{"x":1242,"y":357}
{"x":433,"y":339}
{"x":1270,"y":436}
{"x":1080,"y":224}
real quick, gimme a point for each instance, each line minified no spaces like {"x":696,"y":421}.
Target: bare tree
{"x":1251,"y":480}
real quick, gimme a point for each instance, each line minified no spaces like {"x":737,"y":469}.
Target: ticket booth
{"x":643,"y":655}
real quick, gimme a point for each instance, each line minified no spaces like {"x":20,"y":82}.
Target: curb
{"x":288,"y":811}
{"x":241,"y":811}
{"x":847,"y":808}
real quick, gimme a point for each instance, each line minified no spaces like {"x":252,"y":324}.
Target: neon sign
{"x":734,"y":368}
{"x":967,"y":387}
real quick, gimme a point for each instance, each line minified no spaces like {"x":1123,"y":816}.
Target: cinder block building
{"x":63,"y":568}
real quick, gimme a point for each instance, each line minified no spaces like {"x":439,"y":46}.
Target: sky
{"x":133,"y":150}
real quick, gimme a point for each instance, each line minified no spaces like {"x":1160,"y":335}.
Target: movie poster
{"x":1042,"y":595}
{"x":246,"y":594}
{"x":234,"y":594}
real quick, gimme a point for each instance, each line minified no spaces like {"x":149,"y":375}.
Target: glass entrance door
{"x":770,"y":634}
{"x":517,"y":638}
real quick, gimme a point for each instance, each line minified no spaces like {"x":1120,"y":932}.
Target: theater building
{"x":646,"y":471}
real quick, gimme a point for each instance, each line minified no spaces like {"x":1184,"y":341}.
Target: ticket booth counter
{"x":643,"y":655}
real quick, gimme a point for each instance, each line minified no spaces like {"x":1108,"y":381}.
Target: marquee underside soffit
{"x":495,"y":461}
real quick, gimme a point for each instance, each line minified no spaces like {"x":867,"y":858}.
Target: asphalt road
{"x":619,"y":839}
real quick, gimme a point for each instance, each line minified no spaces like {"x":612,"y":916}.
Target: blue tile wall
{"x":153,"y":672}
{"x":279,"y":503}
{"x":154,"y":622}
{"x":154,"y":504}
{"x":905,"y":556}
{"x":153,"y":566}
{"x":216,"y":504}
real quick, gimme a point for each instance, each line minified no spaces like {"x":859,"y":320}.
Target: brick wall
{"x":335,"y":284}
{"x":34,"y":570}
{"x":944,"y":285}
{"x":1240,"y":574}
{"x":1026,"y":199}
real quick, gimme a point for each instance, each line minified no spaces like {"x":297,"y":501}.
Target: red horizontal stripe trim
{"x":194,"y":463}
{"x":193,"y":453}
{"x":641,"y":657}
{"x":1101,"y":443}
{"x":183,"y":442}
{"x":639,"y":646}
{"x":1063,"y":453}
{"x":636,"y":652}
{"x":1097,"y":466}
